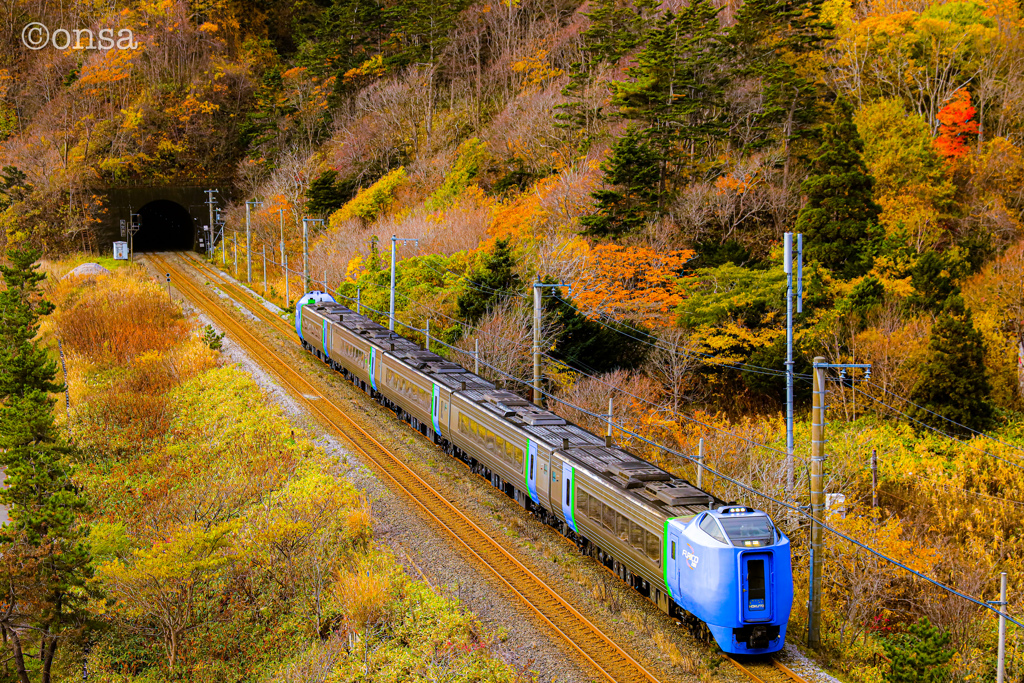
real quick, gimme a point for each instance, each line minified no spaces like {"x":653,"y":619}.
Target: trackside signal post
{"x":306,"y":282}
{"x":816,"y":480}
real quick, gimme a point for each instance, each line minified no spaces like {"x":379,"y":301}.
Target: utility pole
{"x":1001,"y":658}
{"x":287,"y":295}
{"x":391,"y":311}
{"x":536,"y":340}
{"x":264,"y":271}
{"x":611,"y":414}
{"x":428,"y":334}
{"x":223,"y":249}
{"x":281,"y":213}
{"x":787,"y":266}
{"x":874,"y":478}
{"x":213,"y":228}
{"x":700,"y":462}
{"x":248,"y":240}
{"x":306,"y":282}
{"x":816,"y":479}
{"x":817,"y":501}
{"x":359,"y":300}
{"x":234,"y":248}
{"x":476,"y":356}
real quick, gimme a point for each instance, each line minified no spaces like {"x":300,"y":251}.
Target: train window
{"x":755,"y":583}
{"x":582,"y":501}
{"x":490,"y":442}
{"x":621,"y":527}
{"x":636,"y":536}
{"x":608,"y":517}
{"x":653,"y":547}
{"x":748,"y":531}
{"x":595,"y":509}
{"x":673,"y":550}
{"x":711,"y":528}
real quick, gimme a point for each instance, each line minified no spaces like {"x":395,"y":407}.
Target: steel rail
{"x":581,"y":634}
{"x":767,"y":670}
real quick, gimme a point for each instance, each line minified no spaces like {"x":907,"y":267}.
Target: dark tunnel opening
{"x":164,"y":226}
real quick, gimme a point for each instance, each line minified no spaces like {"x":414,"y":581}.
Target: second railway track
{"x":583,"y":636}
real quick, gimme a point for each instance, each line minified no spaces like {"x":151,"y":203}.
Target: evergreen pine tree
{"x":840,"y":219}
{"x":46,"y":565}
{"x":630,"y":196}
{"x":327,"y":194}
{"x":27,"y":374}
{"x":919,"y":656}
{"x":491,"y":284}
{"x":952,"y":383}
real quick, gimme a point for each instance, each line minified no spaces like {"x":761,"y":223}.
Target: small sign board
{"x":124,"y":228}
{"x":121,"y":251}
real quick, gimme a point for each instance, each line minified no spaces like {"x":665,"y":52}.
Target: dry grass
{"x":668,"y":646}
{"x":117,"y":318}
{"x":359,"y":523}
{"x":363,"y":595}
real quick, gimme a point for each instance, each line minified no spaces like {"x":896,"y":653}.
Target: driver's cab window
{"x":709,"y":526}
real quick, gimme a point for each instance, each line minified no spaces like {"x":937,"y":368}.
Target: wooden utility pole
{"x":817,"y":482}
{"x":874,"y":478}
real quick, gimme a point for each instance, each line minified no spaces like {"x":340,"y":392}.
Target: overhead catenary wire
{"x":767,"y":497}
{"x":732,"y":480}
{"x":939,"y":431}
{"x":951,"y":421}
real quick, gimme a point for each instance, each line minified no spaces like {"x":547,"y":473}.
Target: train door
{"x":530,"y":471}
{"x":569,"y":495}
{"x":756,"y":569}
{"x":435,"y":408}
{"x":673,"y":552}
{"x":371,"y":367}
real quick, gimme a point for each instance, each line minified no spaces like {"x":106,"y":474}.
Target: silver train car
{"x":614,"y":506}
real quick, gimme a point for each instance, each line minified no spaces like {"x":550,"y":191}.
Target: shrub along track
{"x":582,"y":635}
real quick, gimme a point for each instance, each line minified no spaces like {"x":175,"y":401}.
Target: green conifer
{"x":27,"y":374}
{"x":47,"y":565}
{"x":630,"y":196}
{"x":921,"y":655}
{"x":952,"y":383}
{"x":491,"y":284}
{"x":840,"y":219}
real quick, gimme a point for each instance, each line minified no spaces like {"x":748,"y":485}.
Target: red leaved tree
{"x":956,"y":126}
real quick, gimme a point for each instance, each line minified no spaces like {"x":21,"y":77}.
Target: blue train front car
{"x":731,"y":569}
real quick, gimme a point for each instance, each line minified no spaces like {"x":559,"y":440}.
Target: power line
{"x":768,"y":497}
{"x":937,"y":430}
{"x":739,"y":484}
{"x":973,"y":431}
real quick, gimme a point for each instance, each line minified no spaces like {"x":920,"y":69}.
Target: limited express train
{"x":692,"y":554}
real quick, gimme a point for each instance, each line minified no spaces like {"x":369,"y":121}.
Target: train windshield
{"x":748,"y":532}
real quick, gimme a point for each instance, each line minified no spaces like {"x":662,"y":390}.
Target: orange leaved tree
{"x":956,"y":126}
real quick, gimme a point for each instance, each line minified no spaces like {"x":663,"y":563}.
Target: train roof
{"x":649,"y":484}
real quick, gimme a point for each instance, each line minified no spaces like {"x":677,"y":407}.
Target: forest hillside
{"x":649,"y":156}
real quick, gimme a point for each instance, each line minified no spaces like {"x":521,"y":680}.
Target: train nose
{"x":758,"y":637}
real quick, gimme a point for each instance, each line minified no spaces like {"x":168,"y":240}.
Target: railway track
{"x":614,"y":663}
{"x":766,"y":670}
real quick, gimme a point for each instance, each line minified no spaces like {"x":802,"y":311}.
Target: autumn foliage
{"x":957,"y":126}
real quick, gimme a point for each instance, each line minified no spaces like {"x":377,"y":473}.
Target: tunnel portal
{"x":164,"y":225}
